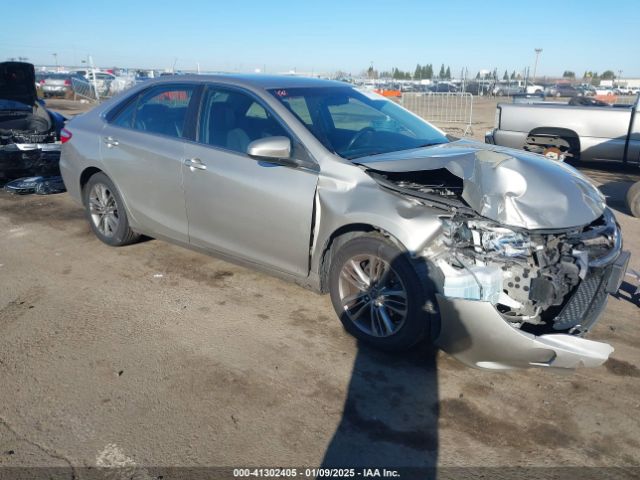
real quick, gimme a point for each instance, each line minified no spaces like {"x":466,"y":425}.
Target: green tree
{"x":478,"y":76}
{"x":608,"y":75}
{"x":418,"y":73}
{"x":513,"y":75}
{"x":505,"y":76}
{"x":447,"y":74}
{"x":568,"y":74}
{"x":441,"y":74}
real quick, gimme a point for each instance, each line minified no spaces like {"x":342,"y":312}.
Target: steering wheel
{"x":358,"y":136}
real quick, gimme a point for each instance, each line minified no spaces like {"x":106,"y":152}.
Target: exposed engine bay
{"x":530,"y":276}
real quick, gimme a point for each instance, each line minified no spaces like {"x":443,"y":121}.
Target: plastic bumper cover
{"x":475,"y":333}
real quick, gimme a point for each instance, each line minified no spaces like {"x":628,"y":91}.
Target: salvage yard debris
{"x":37,"y":185}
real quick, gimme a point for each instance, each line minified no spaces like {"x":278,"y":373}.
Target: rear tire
{"x":633,"y":199}
{"x":379,"y":293}
{"x":106,"y":213}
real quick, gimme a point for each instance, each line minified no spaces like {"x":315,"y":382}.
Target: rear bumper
{"x":475,"y":333}
{"x":25,"y":160}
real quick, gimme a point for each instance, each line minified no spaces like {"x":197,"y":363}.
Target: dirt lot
{"x":152,"y":355}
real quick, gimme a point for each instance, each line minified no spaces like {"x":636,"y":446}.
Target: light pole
{"x":535,"y":65}
{"x":55,"y":57}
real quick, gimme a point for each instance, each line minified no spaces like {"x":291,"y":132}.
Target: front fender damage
{"x":407,"y":221}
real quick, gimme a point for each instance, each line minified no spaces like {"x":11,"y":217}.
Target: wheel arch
{"x":86,"y":174}
{"x":571,"y":136}
{"x":339,"y":237}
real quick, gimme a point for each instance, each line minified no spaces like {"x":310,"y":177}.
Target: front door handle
{"x":195,"y":164}
{"x":110,"y":141}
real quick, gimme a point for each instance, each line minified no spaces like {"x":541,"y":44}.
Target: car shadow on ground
{"x":390,"y":416}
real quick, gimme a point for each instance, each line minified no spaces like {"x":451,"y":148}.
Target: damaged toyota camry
{"x":501,"y":257}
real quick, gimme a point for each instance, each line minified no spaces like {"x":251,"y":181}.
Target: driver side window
{"x":232,"y":120}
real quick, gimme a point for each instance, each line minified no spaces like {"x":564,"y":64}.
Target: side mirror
{"x":270,"y":148}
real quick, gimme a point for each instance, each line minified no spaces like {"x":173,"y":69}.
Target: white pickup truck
{"x":584,"y":132}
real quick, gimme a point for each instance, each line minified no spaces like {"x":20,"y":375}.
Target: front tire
{"x":105,"y":212}
{"x":379,"y":293}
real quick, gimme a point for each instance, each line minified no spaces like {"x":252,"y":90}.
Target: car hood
{"x":512,"y":187}
{"x":18,"y":82}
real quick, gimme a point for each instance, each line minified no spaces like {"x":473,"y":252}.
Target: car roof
{"x":260,"y":81}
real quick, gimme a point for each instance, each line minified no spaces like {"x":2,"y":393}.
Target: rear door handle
{"x":110,"y":141}
{"x":195,"y":164}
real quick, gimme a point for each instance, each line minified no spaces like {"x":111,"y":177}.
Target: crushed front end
{"x":514,"y":297}
{"x":537,"y":291}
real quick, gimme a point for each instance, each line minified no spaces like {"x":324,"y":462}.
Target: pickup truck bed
{"x":584,"y":132}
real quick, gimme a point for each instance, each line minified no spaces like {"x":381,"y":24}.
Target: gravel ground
{"x":152,"y":355}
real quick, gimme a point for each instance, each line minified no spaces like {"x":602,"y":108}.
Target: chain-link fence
{"x":83,"y":89}
{"x":449,"y":111}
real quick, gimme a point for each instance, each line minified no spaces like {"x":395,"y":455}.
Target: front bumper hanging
{"x":475,"y":333}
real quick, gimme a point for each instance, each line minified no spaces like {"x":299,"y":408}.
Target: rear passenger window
{"x":163,"y":110}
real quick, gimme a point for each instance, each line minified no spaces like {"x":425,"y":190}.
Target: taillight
{"x":65,"y":135}
{"x":67,"y":82}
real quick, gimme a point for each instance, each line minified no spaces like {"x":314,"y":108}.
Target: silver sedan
{"x":501,"y":257}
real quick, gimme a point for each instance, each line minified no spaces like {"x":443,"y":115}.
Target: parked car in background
{"x":506,"y":88}
{"x":443,"y":87}
{"x":585,"y":91}
{"x":533,"y":88}
{"x":29,"y":133}
{"x":501,"y":257}
{"x":604,"y":91}
{"x":594,"y":131}
{"x":57,"y":84}
{"x":561,"y":90}
{"x":478,"y":88}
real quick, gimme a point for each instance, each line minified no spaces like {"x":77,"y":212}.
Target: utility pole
{"x":55,"y":57}
{"x":535,"y":65}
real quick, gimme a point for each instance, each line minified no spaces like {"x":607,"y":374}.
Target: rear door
{"x":252,"y":209}
{"x":143,"y":148}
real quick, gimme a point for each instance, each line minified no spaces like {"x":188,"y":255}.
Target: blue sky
{"x":328,"y":35}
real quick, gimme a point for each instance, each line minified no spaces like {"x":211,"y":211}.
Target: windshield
{"x":356,"y":124}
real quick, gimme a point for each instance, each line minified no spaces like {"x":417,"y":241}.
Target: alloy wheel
{"x":372,"y":295}
{"x":103,"y":209}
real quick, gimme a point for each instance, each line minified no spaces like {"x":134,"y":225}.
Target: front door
{"x":255,"y":210}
